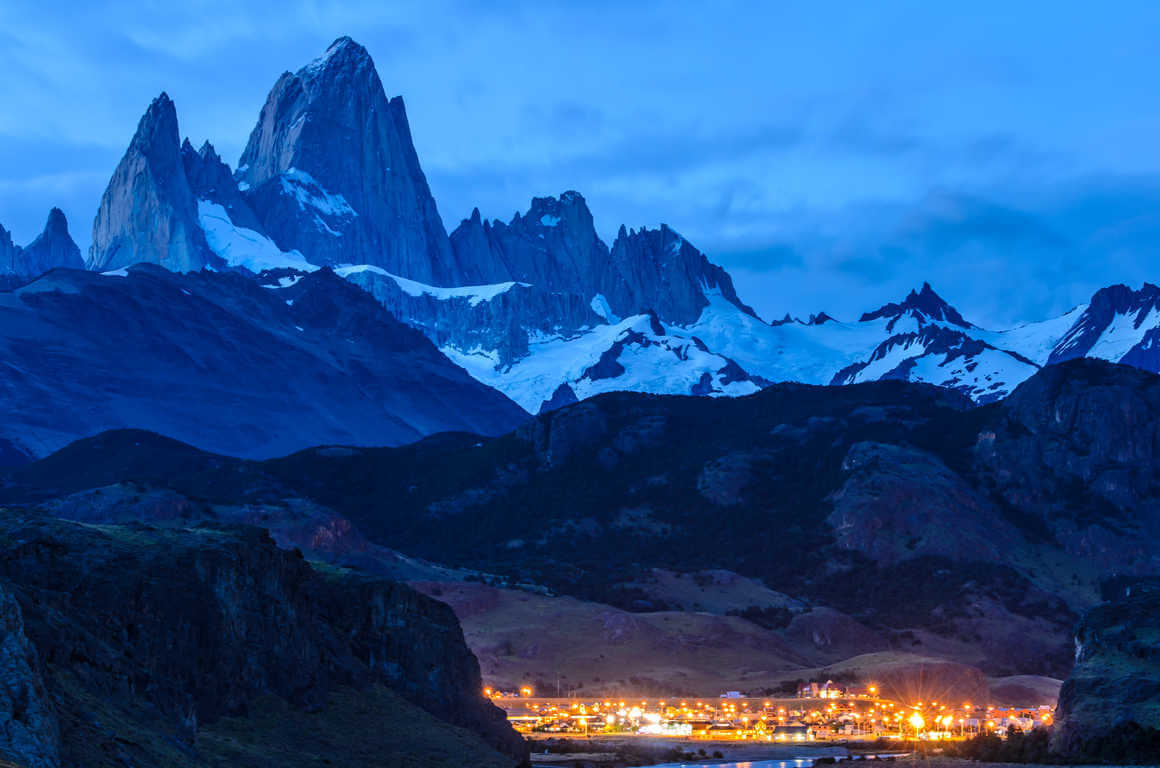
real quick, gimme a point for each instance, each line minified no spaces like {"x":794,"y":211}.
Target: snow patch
{"x":241,"y":247}
{"x":475,"y":294}
{"x":1124,"y":332}
{"x":313,"y":198}
{"x":601,"y":307}
{"x":548,"y":220}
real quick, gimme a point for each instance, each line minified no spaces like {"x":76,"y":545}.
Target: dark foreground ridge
{"x":143,"y":646}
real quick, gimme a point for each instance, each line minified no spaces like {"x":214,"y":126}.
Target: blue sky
{"x":831,"y":155}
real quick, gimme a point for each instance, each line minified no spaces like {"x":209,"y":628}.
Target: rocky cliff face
{"x":1074,"y":452}
{"x":659,"y":270}
{"x":332,"y":172}
{"x":553,"y":247}
{"x":135,"y":675}
{"x":8,"y":252}
{"x":29,"y":731}
{"x":1112,"y":699}
{"x":149,"y":212}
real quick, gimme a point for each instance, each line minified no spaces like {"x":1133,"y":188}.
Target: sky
{"x":832,"y":156}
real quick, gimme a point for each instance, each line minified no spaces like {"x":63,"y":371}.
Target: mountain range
{"x":538,"y":307}
{"x":298,"y":344}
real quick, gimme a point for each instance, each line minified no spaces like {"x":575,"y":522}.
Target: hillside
{"x":189,"y":646}
{"x":220,"y":362}
{"x":946,"y":529}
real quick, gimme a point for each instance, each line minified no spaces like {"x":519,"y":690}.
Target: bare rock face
{"x":29,"y":734}
{"x":898,"y":503}
{"x":166,"y":630}
{"x":1109,"y":708}
{"x":331,"y":171}
{"x":8,"y":252}
{"x":1074,"y":451}
{"x":148,"y":212}
{"x":554,"y":246}
{"x":657,"y":269}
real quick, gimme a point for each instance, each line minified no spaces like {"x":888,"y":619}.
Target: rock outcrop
{"x":8,"y":253}
{"x":148,"y":213}
{"x":29,"y":731}
{"x":1109,"y":708}
{"x":149,"y":636}
{"x":332,"y":172}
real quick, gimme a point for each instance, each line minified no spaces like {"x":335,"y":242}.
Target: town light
{"x":917,"y":721}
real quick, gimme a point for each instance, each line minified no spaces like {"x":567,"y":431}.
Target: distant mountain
{"x":52,"y":248}
{"x":538,"y":306}
{"x":223,"y":363}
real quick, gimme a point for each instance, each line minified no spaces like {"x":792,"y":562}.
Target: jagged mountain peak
{"x":570,"y":207}
{"x":343,"y":54}
{"x":661,"y":270}
{"x":331,"y":171}
{"x":56,"y":224}
{"x":148,"y":212}
{"x":924,"y":303}
{"x":208,"y":153}
{"x":1122,"y":297}
{"x":1119,"y":324}
{"x":157,"y":128}
{"x":52,"y":248}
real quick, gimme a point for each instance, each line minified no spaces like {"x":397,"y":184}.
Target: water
{"x":800,"y":762}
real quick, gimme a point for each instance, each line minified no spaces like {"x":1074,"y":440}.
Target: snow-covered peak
{"x":924,"y":305}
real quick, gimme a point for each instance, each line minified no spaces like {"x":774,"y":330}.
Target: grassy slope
{"x":374,"y":727}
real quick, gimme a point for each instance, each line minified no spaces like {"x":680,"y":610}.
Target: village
{"x":820,"y":712}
